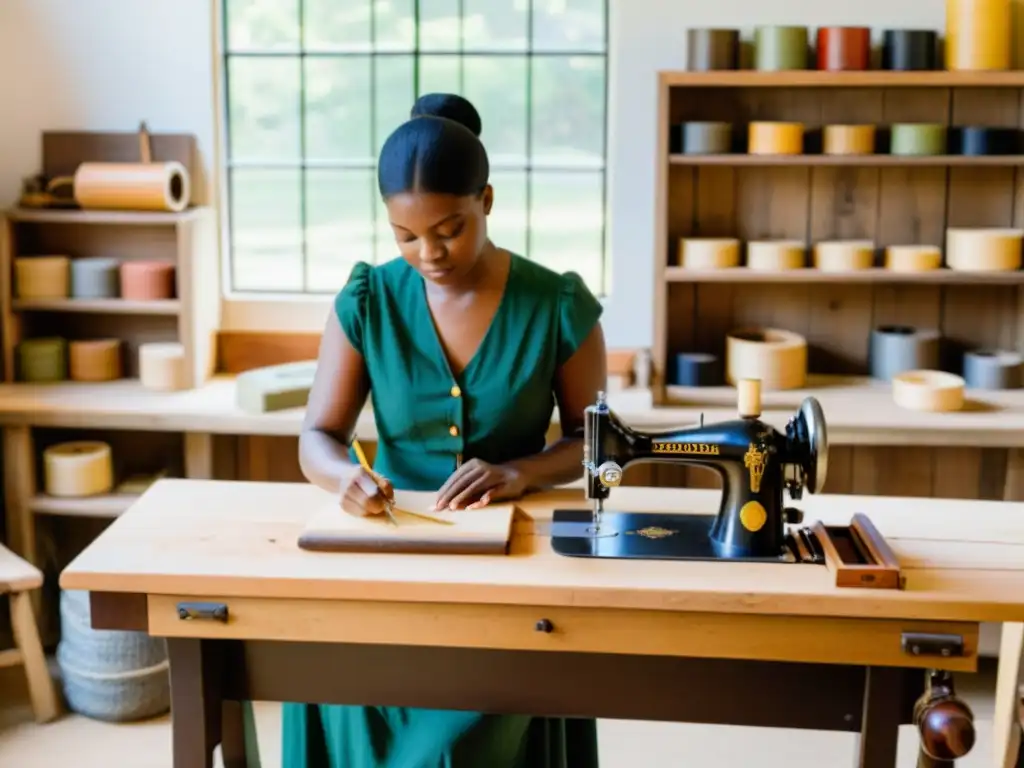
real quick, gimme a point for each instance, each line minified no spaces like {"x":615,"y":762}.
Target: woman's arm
{"x":476,"y":483}
{"x":336,"y":399}
{"x":576,"y":386}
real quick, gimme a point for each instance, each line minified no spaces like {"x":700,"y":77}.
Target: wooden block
{"x":276,"y":387}
{"x":475,"y":532}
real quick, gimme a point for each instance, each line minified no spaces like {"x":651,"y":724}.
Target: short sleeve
{"x":578,"y":313}
{"x":352,"y":302}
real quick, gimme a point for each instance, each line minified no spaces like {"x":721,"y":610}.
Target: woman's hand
{"x":363,"y":493}
{"x":476,"y":484}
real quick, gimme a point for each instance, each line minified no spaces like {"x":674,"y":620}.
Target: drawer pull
{"x":207,"y":611}
{"x":544,"y":625}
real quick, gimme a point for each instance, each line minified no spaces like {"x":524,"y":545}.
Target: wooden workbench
{"x":777,"y":645}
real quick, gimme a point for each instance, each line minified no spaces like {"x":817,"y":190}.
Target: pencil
{"x":369,"y":470}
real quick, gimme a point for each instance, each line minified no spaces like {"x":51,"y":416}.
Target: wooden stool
{"x":17,"y":579}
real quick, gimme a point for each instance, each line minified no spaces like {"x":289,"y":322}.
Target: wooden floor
{"x":76,"y":742}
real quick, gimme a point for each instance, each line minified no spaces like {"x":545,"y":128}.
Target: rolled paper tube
{"x":95,"y":360}
{"x":706,"y":138}
{"x":980,"y":140}
{"x":848,"y":140}
{"x":918,"y":139}
{"x":983,"y":250}
{"x":912,"y":258}
{"x":79,"y":468}
{"x":928,"y":391}
{"x":776,"y":255}
{"x":147,"y":280}
{"x":712,"y":49}
{"x":695,"y":369}
{"x":844,"y":48}
{"x":766,"y":138}
{"x":709,"y":252}
{"x":910,"y":50}
{"x":780,"y":48}
{"x":993,"y":369}
{"x":776,"y":357}
{"x":43,"y":360}
{"x":844,"y":255}
{"x":95,"y":278}
{"x":978,"y":35}
{"x":162,"y":366}
{"x":132,"y":186}
{"x":895,"y":349}
{"x":41,"y":277}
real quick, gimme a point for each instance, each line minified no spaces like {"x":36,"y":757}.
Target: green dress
{"x":499,"y":409}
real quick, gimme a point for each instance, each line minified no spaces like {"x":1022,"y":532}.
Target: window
{"x":314,"y":87}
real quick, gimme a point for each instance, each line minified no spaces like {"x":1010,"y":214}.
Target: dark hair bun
{"x":450,"y":106}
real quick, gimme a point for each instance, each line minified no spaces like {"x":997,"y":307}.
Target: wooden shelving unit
{"x":888,"y":200}
{"x":188,"y":239}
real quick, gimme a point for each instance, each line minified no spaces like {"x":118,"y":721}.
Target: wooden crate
{"x":188,"y":239}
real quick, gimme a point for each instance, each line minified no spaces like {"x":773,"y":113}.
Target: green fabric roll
{"x":918,"y":139}
{"x":42,"y":360}
{"x":779,"y":48}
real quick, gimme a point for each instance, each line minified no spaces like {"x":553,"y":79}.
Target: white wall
{"x":106,"y":64}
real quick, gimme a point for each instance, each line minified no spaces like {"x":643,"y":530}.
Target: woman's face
{"x":440,"y":236}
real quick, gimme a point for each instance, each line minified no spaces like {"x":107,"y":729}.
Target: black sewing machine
{"x":757,"y":465}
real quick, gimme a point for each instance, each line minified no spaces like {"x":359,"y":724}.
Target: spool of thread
{"x":79,"y":468}
{"x":95,"y":278}
{"x":983,"y":250}
{"x":848,"y":140}
{"x":916,"y":139}
{"x":162,"y":366}
{"x":912,"y":258}
{"x":910,"y":50}
{"x":993,"y":369}
{"x":41,"y":277}
{"x":844,"y":255}
{"x":773,"y":138}
{"x":779,"y":48}
{"x":895,"y":349}
{"x":696,"y":369}
{"x":712,"y":49}
{"x":95,"y":360}
{"x":934,"y":391}
{"x":147,"y":280}
{"x":709,"y":252}
{"x":43,"y":360}
{"x":776,"y":255}
{"x":706,"y":138}
{"x":978,"y":34}
{"x":983,"y":140}
{"x":844,"y":48}
{"x":777,"y":358}
{"x":748,"y":398}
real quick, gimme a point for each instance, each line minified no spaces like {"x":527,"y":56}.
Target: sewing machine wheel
{"x":816,"y":468}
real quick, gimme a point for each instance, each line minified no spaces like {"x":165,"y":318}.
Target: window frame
{"x":308,"y":311}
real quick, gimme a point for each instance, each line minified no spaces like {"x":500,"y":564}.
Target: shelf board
{"x":76,"y":216}
{"x":99,"y":306}
{"x":810,"y":275}
{"x":109,"y":505}
{"x":857,"y":161}
{"x":815,"y":79}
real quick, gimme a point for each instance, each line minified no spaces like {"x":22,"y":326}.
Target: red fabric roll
{"x":844,"y":48}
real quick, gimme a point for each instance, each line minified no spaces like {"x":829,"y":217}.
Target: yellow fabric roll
{"x":978,"y":35}
{"x":709,"y":252}
{"x":983,"y":249}
{"x":844,"y":255}
{"x":776,"y":255}
{"x":766,"y":138}
{"x":912,"y":258}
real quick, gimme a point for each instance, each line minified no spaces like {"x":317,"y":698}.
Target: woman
{"x":464,"y":349}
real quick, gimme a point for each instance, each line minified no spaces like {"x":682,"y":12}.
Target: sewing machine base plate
{"x":641,"y":536}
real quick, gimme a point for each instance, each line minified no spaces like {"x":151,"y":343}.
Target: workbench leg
{"x":1005,"y":722}
{"x":238,"y":746}
{"x":196,"y":701}
{"x":198,"y":456}
{"x":881,"y":717}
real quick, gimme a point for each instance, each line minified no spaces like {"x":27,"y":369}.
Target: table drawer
{"x":587,"y":630}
